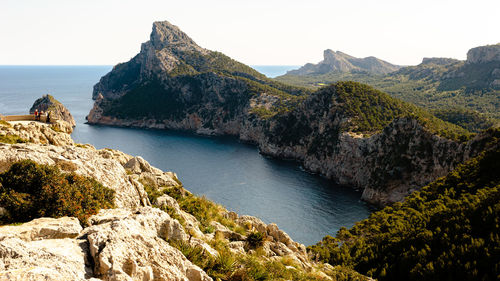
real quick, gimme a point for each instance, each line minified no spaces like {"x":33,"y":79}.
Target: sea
{"x":234,"y":174}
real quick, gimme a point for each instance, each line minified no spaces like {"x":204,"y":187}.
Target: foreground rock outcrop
{"x":131,"y":245}
{"x":85,"y":160}
{"x":36,"y":132}
{"x":44,"y":249}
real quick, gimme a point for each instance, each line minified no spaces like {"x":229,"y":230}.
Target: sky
{"x":255,"y":32}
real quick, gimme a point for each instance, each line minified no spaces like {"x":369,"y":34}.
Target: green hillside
{"x":371,"y":110}
{"x":447,"y":231}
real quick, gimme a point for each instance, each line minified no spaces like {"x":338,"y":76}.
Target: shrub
{"x":5,"y":123}
{"x":255,"y":240}
{"x":196,"y":255}
{"x":29,"y":190}
{"x":11,"y":139}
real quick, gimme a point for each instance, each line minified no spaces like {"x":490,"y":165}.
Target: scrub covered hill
{"x":449,"y":230}
{"x":370,"y":110}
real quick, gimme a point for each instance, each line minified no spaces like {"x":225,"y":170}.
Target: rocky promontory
{"x":154,"y":231}
{"x":348,"y":132}
{"x":48,"y":103}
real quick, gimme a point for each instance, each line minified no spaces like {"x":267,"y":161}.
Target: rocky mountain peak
{"x":484,"y":54}
{"x":337,"y":61}
{"x":165,"y":34}
{"x":329,"y":54}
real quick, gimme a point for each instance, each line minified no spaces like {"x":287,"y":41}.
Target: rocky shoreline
{"x":130,"y":242}
{"x":360,"y":161}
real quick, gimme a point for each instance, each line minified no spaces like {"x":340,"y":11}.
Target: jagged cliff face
{"x":386,"y":166}
{"x":341,"y":62}
{"x":167,"y":46}
{"x":174,"y":83}
{"x":484,"y":54}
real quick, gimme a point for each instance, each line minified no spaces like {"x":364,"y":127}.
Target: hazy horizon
{"x":58,"y":32}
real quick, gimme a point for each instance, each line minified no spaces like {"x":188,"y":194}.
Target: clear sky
{"x":266,"y":32}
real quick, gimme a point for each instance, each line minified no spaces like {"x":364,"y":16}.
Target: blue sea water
{"x":306,"y":206}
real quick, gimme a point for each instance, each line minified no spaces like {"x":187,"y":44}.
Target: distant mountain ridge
{"x":342,"y":62}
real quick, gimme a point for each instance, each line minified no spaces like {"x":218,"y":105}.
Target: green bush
{"x":255,"y":239}
{"x":11,"y":139}
{"x":196,"y":255}
{"x":29,"y":190}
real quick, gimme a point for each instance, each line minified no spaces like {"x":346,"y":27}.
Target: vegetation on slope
{"x":361,"y":108}
{"x":228,"y":265}
{"x":162,"y":100}
{"x":372,"y":110}
{"x":29,"y":190}
{"x":447,"y":231}
{"x":465,"y":118}
{"x":11,"y":139}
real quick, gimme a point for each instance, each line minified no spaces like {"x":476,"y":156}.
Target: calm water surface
{"x":233,"y":174}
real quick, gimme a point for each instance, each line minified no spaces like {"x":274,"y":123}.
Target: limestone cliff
{"x":146,"y":237}
{"x":341,"y":62}
{"x":387,"y":165}
{"x":484,"y":54}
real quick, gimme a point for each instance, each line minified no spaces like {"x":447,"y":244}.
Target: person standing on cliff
{"x":48,"y":117}
{"x":36,"y":114}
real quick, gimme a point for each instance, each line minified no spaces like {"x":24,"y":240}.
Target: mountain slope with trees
{"x":449,"y":230}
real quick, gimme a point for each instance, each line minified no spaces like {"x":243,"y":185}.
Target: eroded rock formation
{"x":57,"y":110}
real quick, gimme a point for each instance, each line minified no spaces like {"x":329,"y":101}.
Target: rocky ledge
{"x":136,"y":240}
{"x":484,"y":54}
